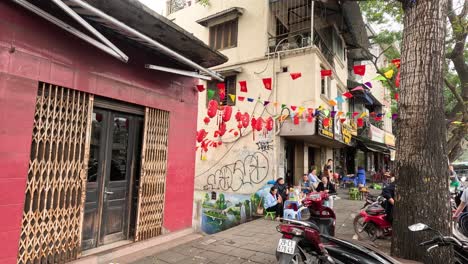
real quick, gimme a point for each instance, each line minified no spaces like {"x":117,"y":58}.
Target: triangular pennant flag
{"x":364,"y":114}
{"x":358,"y":88}
{"x":368,"y":84}
{"x":389,"y":74}
{"x":339,"y":99}
{"x":301,"y":110}
{"x":348,"y":95}
{"x":317,"y":112}
{"x":397,"y":96}
{"x":275,"y":104}
{"x":349,"y":114}
{"x":324,"y":73}
{"x":296,"y":120}
{"x":267,"y":83}
{"x":250,"y":99}
{"x":373,"y":114}
{"x":457,"y":122}
{"x":340,"y":113}
{"x":233,"y":97}
{"x":355,"y":114}
{"x":221,"y":90}
{"x":397,"y":80}
{"x":210,"y":93}
{"x":379,"y":78}
{"x":243,"y":86}
{"x":332,"y":102}
{"x":394,"y":116}
{"x":326,"y":112}
{"x":241,"y":98}
{"x":378,"y":118}
{"x":360,"y":122}
{"x":283,"y":106}
{"x":200,"y":87}
{"x":342,"y":120}
{"x":333,"y":114}
{"x":293,"y":107}
{"x":326,"y":122}
{"x":295,"y":75}
{"x":360,"y":69}
{"x":265,"y":103}
{"x":396,"y":62}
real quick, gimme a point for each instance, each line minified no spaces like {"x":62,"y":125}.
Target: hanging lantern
{"x":253,"y":122}
{"x":212,"y":108}
{"x":245,"y":120}
{"x":238,"y":116}
{"x":222,"y":129}
{"x":239,"y":126}
{"x":296,"y":120}
{"x":236,"y":134}
{"x":206,"y":120}
{"x":220,"y":143}
{"x":201,"y":135}
{"x":227,"y":113}
{"x":269,"y":124}
{"x":259,"y":124}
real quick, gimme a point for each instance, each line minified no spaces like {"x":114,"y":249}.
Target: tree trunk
{"x":421,"y":161}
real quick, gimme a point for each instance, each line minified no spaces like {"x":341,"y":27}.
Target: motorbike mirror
{"x":418,"y":227}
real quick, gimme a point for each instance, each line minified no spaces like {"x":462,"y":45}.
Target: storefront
{"x":91,"y":146}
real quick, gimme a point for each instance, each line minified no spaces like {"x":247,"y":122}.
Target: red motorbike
{"x":371,"y":221}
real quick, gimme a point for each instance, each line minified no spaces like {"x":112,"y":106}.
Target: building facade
{"x":288,"y":43}
{"x":93,"y":150}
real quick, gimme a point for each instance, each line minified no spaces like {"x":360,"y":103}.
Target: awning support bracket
{"x":177,"y":71}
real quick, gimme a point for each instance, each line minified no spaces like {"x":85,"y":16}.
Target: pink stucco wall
{"x":33,"y":50}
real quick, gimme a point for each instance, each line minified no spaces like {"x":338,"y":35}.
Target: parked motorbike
{"x":371,"y":222}
{"x":311,"y":240}
{"x":458,"y":241}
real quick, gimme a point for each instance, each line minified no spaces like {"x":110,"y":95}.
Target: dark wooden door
{"x":111,"y":176}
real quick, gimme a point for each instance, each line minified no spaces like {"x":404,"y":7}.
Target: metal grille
{"x":153,"y":175}
{"x":53,"y":208}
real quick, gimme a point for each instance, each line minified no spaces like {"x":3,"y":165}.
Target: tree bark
{"x":421,"y":161}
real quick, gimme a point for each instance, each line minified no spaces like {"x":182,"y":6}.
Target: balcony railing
{"x":326,"y":51}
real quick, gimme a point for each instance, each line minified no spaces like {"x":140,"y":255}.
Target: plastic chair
{"x":270,"y":214}
{"x":353,"y":193}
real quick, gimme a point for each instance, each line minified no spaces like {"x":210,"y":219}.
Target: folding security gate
{"x":53,"y":208}
{"x":57,"y":176}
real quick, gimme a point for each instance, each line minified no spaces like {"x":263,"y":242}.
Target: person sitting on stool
{"x":274,"y":203}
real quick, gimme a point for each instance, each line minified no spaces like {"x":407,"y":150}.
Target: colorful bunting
{"x":360,"y":122}
{"x":267,"y":83}
{"x":265,"y":103}
{"x":332,"y":102}
{"x":295,"y":75}
{"x":389,"y":74}
{"x":364,"y":114}
{"x":325,"y":73}
{"x":360,"y":69}
{"x":241,"y":98}
{"x":342,"y":120}
{"x":283,"y":106}
{"x":355,"y":114}
{"x":210,"y":93}
{"x":221,"y":90}
{"x":368,"y":84}
{"x":358,"y":88}
{"x":233,"y":97}
{"x":397,"y":80}
{"x":340,"y":113}
{"x":348,"y":95}
{"x":397,"y":96}
{"x":326,"y":112}
{"x":326,"y":122}
{"x":333,"y":114}
{"x":243,"y":86}
{"x":394,"y":116}
{"x":293,"y":107}
{"x":250,"y":100}
{"x":380,"y":78}
{"x":339,"y":99}
{"x":200,"y":87}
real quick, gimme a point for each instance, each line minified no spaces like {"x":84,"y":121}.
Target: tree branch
{"x":453,"y":89}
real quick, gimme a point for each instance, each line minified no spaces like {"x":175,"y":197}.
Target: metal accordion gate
{"x":55,"y":190}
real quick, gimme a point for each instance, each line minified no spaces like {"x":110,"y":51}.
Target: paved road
{"x":252,"y":242}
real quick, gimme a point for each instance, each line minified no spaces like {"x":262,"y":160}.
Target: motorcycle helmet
{"x":463,"y":223}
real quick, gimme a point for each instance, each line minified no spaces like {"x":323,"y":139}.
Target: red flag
{"x":355,"y":114}
{"x":360,"y":69}
{"x":240,"y":98}
{"x":397,"y":96}
{"x":396,"y":62}
{"x":295,"y":75}
{"x":200,"y":87}
{"x":378,"y":118}
{"x":293,"y":107}
{"x":360,"y":122}
{"x":243,"y":86}
{"x":221,"y":90}
{"x":397,"y":81}
{"x":267,"y":83}
{"x":326,"y":122}
{"x":325,"y":73}
{"x":342,"y":120}
{"x":348,"y":95}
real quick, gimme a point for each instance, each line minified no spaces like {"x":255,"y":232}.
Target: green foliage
{"x":204,"y":3}
{"x":382,"y":12}
{"x":221,"y":203}
{"x":214,"y":214}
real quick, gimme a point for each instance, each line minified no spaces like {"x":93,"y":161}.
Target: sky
{"x":157,"y":5}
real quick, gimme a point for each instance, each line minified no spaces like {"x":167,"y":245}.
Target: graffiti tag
{"x":265,"y":145}
{"x":252,"y":170}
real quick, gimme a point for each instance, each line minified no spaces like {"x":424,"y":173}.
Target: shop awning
{"x":232,"y":12}
{"x":373,"y":146}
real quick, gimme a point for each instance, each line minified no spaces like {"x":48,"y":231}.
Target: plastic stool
{"x":353,"y":193}
{"x":290,"y":214}
{"x":270,"y":214}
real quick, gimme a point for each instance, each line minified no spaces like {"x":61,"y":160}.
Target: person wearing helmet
{"x":462,"y":205}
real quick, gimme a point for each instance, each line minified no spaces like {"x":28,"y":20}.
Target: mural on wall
{"x":253,"y":169}
{"x":221,"y":211}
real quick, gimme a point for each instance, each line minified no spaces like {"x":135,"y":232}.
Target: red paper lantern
{"x":212,"y":108}
{"x":222,"y":129}
{"x":239,"y":126}
{"x":253,"y":122}
{"x":236,"y":134}
{"x":201,"y":135}
{"x":245,"y":120}
{"x":238,"y":116}
{"x":221,"y":90}
{"x":220,"y":143}
{"x":259,"y":124}
{"x":206,"y":120}
{"x":269,"y":124}
{"x":396,"y":62}
{"x":227,"y":113}
{"x":296,"y":120}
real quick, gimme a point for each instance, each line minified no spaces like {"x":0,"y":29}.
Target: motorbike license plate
{"x":286,"y":246}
